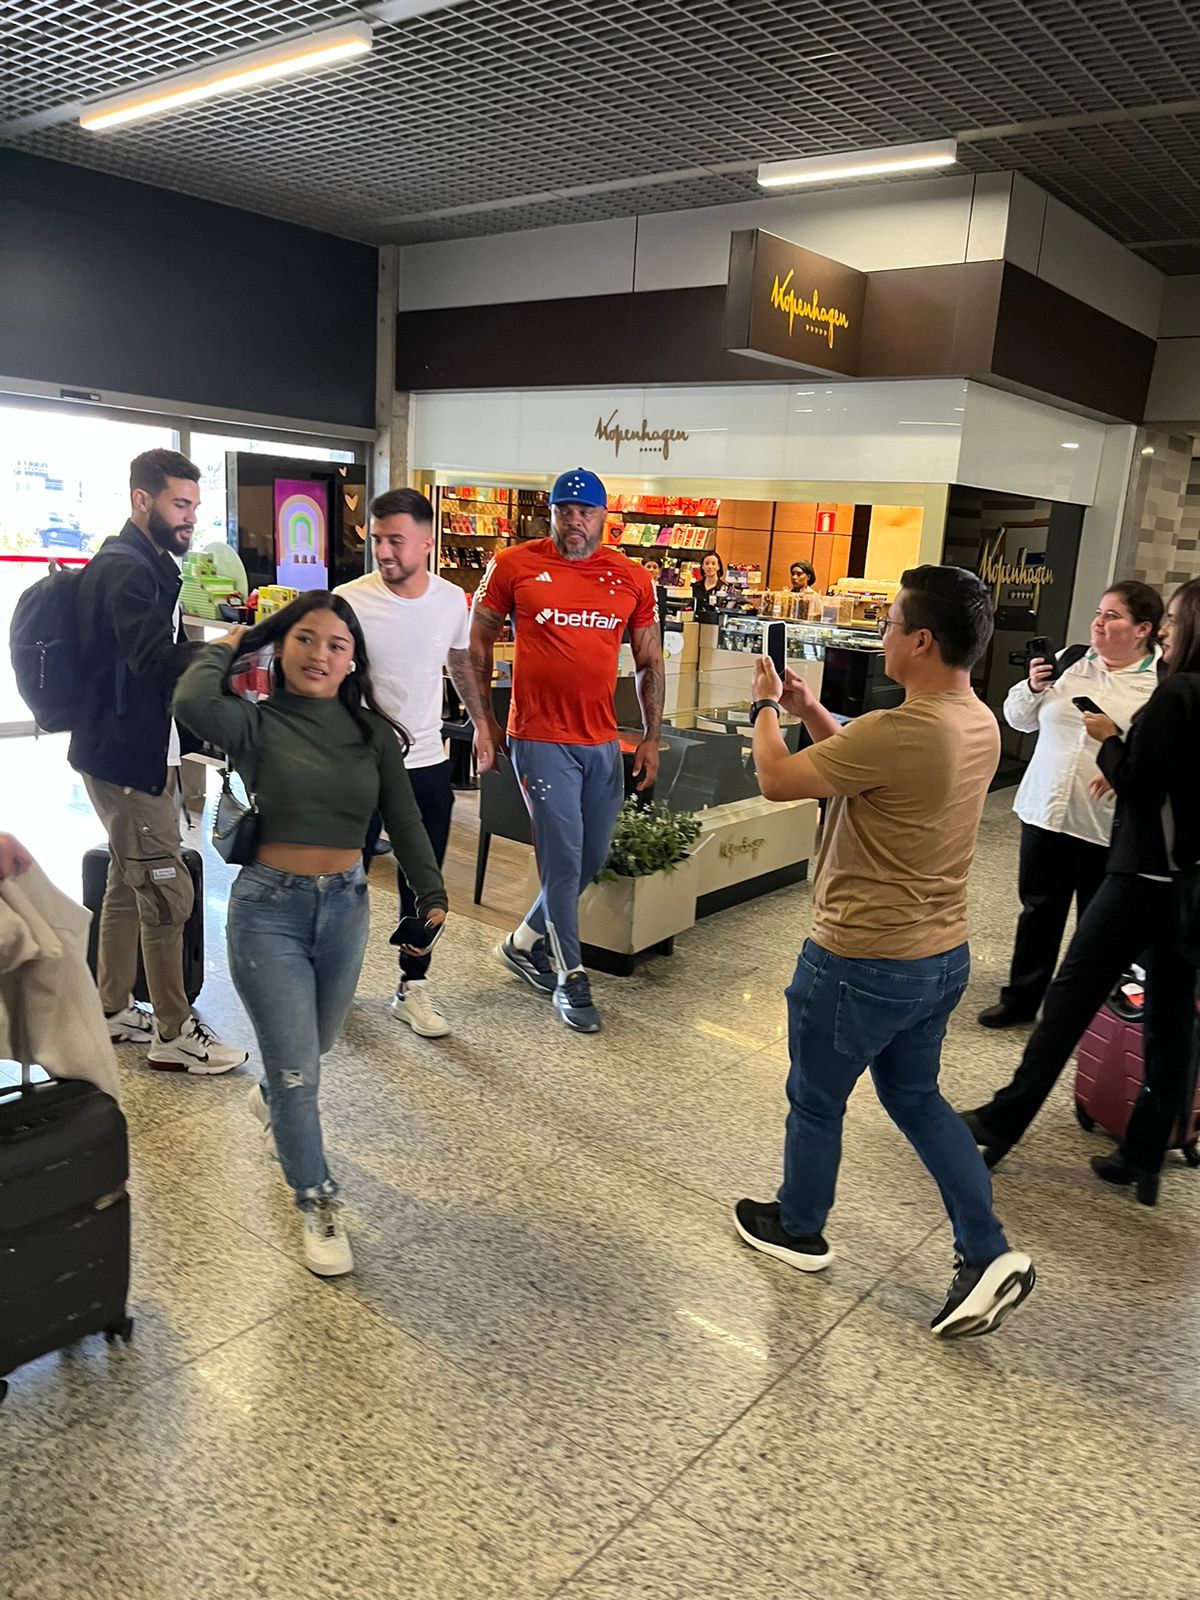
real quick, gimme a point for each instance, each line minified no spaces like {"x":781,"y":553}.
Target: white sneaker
{"x":197,"y":1050}
{"x":326,"y":1248}
{"x":411,"y":1005}
{"x":133,"y":1024}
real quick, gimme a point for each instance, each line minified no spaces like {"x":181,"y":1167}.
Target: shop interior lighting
{"x":247,"y":69}
{"x":858,"y":164}
{"x":1071,"y":446}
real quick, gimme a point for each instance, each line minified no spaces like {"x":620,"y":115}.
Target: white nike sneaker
{"x":133,"y":1024}
{"x":413,"y":1006}
{"x":197,"y":1050}
{"x":326,"y":1248}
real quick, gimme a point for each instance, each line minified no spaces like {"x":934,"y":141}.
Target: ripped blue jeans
{"x":296,"y":947}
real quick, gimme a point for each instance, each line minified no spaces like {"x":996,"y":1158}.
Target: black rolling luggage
{"x":95,"y":877}
{"x":64,"y":1219}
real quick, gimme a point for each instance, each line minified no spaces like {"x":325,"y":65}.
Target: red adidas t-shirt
{"x":569,"y":620}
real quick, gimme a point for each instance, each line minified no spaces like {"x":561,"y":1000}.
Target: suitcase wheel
{"x":1082,"y":1117}
{"x":120,"y":1330}
{"x":1190,"y":1153}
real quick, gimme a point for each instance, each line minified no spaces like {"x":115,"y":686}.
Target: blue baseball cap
{"x":580,"y":488}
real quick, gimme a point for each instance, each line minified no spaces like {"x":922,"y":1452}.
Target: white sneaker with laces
{"x":196,"y":1050}
{"x":413,"y":1006}
{"x":133,"y":1024}
{"x":326,"y":1248}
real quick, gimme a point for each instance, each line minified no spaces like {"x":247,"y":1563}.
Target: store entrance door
{"x":296,"y":522}
{"x":1026,"y":551}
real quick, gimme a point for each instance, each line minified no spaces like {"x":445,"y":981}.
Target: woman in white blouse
{"x":1064,"y":804}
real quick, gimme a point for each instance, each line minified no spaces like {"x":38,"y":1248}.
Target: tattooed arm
{"x":476,"y":687}
{"x":651,"y":688}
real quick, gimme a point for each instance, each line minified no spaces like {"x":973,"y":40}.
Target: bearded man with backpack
{"x":129,"y":653}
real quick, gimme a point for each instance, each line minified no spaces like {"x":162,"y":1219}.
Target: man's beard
{"x":167,"y":536}
{"x":589,"y":548}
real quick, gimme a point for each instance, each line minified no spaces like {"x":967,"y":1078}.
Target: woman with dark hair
{"x":1154,"y":768}
{"x":704,"y":589}
{"x":319,"y":758}
{"x":1064,"y":804}
{"x":803,"y":576}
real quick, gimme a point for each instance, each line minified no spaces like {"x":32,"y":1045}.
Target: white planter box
{"x":634,"y":914}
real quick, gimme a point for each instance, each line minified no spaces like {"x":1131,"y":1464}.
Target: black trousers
{"x":1128,"y":919}
{"x":1054,"y":869}
{"x":435,"y":801}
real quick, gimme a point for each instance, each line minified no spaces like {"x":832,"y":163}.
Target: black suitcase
{"x":64,"y":1219}
{"x":95,"y":878}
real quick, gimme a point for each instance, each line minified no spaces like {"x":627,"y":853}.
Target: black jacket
{"x":127,"y":598}
{"x":1158,"y":762}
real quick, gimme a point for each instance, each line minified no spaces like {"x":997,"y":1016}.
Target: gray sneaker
{"x":532,"y":965}
{"x":573,"y":1002}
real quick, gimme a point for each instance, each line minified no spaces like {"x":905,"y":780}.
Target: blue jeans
{"x":573,"y":792}
{"x":296,"y":947}
{"x":844,"y":1016}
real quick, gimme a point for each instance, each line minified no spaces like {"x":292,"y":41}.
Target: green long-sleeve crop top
{"x":315,"y":779}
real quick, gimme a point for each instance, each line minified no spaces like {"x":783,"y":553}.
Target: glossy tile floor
{"x":556,"y":1371}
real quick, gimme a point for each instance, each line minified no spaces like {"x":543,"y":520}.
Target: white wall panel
{"x":1102,"y":530}
{"x":541,"y":264}
{"x":1018,"y":445}
{"x":1084,"y":261}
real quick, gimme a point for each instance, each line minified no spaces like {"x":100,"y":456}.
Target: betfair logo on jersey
{"x":578,"y":619}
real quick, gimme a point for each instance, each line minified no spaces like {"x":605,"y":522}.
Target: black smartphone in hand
{"x":1040,"y":649}
{"x":775,"y":646}
{"x":417,"y":934}
{"x":1084,"y":704}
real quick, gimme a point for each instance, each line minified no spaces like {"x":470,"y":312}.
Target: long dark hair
{"x":1143,"y":603}
{"x":356,"y":692}
{"x":1185,"y":642}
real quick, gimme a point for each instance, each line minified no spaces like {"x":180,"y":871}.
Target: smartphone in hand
{"x":417,"y":934}
{"x":1082,"y":703}
{"x":775,"y":647}
{"x":1040,"y":649}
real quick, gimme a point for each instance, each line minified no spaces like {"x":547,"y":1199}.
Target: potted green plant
{"x":645,"y":893}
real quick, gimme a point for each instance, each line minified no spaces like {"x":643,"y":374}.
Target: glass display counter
{"x":843,"y":665}
{"x":806,"y":641}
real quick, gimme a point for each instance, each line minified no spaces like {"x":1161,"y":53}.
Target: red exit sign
{"x":825,"y":521}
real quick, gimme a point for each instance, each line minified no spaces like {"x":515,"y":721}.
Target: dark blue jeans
{"x":891,"y":1016}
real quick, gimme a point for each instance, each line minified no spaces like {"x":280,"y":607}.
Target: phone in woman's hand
{"x":414,"y":933}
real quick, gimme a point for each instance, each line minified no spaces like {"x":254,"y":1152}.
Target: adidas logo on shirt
{"x":543,"y":577}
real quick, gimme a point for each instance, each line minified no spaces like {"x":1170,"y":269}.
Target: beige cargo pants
{"x":148,"y":897}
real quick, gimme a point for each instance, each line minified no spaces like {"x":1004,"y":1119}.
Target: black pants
{"x":1128,"y":919}
{"x":435,"y":801}
{"x":1054,"y":869}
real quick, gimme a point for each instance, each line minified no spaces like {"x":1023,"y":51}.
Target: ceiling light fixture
{"x":1071,"y":446}
{"x":247,"y":69}
{"x":858,"y":164}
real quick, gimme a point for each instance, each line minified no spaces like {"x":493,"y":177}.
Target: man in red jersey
{"x":570,"y":602}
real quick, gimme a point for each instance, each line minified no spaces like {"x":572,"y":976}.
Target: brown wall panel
{"x":839,"y":565}
{"x":795,"y":516}
{"x":750,"y":547}
{"x":788,"y":547}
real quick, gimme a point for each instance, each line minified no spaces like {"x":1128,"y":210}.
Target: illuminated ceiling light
{"x":1071,"y":446}
{"x":301,"y":53}
{"x":1149,"y":450}
{"x":858,"y":164}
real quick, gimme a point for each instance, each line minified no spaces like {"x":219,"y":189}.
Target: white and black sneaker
{"x":981,"y":1297}
{"x":758,"y":1223}
{"x":533,"y":965}
{"x":197,"y":1050}
{"x":327,"y":1250}
{"x":133,"y":1024}
{"x":573,"y":1001}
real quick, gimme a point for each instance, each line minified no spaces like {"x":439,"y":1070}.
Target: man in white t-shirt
{"x":415,"y":623}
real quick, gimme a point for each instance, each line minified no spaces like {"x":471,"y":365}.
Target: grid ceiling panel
{"x":511,"y":106}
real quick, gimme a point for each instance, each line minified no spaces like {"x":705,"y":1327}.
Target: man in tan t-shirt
{"x":888,"y":961}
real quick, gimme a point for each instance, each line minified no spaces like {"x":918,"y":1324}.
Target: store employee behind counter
{"x":707,"y":588}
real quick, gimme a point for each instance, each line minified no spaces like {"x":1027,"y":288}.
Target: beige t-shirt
{"x":891,"y":875}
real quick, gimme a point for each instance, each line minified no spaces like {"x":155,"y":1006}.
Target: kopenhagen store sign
{"x":885,"y":432}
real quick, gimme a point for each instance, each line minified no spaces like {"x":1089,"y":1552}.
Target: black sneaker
{"x":993,"y":1150}
{"x":758,"y":1223}
{"x":1003,"y":1016}
{"x":981,"y":1297}
{"x":532,"y":965}
{"x":573,"y":1002}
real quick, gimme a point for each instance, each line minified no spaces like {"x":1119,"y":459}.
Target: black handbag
{"x":235,"y":826}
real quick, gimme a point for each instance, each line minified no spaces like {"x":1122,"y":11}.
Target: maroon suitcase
{"x":1109,"y":1070}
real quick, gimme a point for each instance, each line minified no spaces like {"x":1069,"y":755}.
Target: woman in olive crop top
{"x":320,"y":758}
